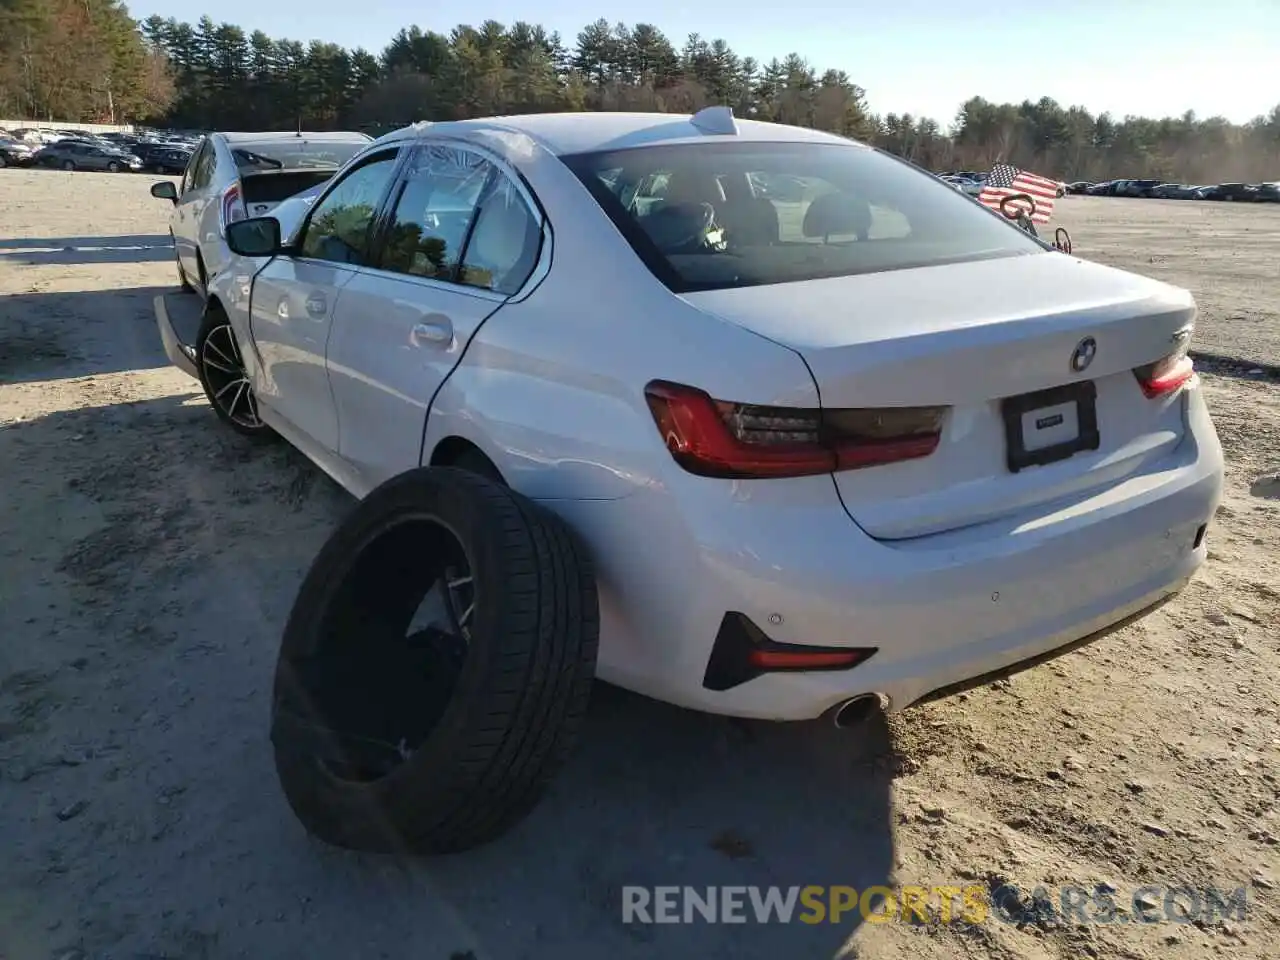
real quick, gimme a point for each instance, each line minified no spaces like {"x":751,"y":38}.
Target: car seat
{"x":837,"y":214}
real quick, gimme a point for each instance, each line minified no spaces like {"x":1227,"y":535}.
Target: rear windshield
{"x":717,"y":215}
{"x":294,"y":155}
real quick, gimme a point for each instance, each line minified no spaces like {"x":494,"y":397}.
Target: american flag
{"x":1005,"y":180}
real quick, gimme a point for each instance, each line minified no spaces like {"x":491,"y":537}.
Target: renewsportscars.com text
{"x":970,"y":904}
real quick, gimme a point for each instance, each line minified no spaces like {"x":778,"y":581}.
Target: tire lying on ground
{"x":393,"y":737}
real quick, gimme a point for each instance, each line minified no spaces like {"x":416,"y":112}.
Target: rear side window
{"x":505,"y":242}
{"x":717,"y":215}
{"x":434,"y":212}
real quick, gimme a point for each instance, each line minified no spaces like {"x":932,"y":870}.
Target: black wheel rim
{"x":378,"y":702}
{"x":228,"y":384}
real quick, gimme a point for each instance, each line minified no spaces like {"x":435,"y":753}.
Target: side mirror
{"x":256,"y":237}
{"x":164,"y":190}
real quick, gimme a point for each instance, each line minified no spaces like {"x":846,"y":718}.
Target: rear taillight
{"x":232,"y":208}
{"x":1166,"y":376}
{"x":715,"y":438}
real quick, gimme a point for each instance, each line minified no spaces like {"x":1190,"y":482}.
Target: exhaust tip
{"x":857,"y":710}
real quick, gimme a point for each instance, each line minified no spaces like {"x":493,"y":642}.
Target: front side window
{"x":708,"y":216}
{"x":338,"y":230}
{"x":434,"y":212}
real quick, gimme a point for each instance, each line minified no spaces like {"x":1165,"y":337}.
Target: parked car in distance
{"x":232,"y":176}
{"x":1267,"y":193}
{"x":87,"y":155}
{"x":1175,"y":191}
{"x":965,"y":185}
{"x":1079,"y":187}
{"x":1136,"y":188}
{"x":167,"y":160}
{"x":1237,"y":192}
{"x":15,"y":153}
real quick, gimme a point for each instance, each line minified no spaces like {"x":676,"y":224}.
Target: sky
{"x":923,"y":57}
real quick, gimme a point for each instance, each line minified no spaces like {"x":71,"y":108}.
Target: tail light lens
{"x":1167,"y":375}
{"x":717,"y":438}
{"x":232,"y":207}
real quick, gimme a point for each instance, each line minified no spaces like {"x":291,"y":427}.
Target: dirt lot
{"x":1226,"y":254}
{"x":148,"y":558}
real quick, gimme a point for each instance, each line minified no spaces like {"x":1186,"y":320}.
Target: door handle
{"x":317,"y":306}
{"x":436,"y":330}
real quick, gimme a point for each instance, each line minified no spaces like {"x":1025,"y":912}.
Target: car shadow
{"x":178,"y":549}
{"x":56,"y":335}
{"x":43,"y":251}
{"x":659,"y":796}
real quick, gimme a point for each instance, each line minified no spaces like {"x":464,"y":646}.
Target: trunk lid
{"x":967,"y":336}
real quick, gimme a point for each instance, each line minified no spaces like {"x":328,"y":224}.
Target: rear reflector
{"x":1165,"y":376}
{"x":804,"y":659}
{"x":743,"y":652}
{"x":716,"y":438}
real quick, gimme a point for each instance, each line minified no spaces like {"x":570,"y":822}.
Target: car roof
{"x":275,"y":136}
{"x":568,"y":133}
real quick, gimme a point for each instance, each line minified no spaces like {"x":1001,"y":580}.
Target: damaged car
{"x":614,"y":409}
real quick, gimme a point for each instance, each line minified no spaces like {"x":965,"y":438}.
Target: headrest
{"x":837,"y":214}
{"x":693,"y":186}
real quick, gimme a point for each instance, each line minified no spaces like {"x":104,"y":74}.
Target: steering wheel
{"x":681,"y":228}
{"x":1015,"y":214}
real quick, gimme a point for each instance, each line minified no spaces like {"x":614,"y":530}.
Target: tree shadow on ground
{"x":57,"y":335}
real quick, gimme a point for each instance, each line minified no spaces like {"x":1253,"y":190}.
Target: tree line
{"x":87,"y":60}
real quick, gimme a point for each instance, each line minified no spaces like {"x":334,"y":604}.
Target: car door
{"x":294,"y":297}
{"x":186,"y":232}
{"x":461,"y":238}
{"x":204,"y":207}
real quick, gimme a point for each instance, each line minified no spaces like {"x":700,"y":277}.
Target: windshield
{"x":298,"y":154}
{"x":716,"y":215}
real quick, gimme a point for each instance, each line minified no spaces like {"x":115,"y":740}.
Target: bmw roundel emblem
{"x":1083,"y":354}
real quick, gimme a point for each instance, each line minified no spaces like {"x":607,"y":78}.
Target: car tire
{"x":68,"y":165}
{"x":481,"y":718}
{"x":4,"y":161}
{"x":220,"y":365}
{"x":113,"y":167}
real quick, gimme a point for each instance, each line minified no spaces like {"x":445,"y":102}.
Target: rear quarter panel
{"x":551,"y":388}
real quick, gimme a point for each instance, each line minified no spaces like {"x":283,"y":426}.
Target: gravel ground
{"x":148,"y":559}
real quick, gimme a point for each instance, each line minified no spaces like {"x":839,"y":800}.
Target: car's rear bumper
{"x":180,"y":354}
{"x":940,"y":610}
